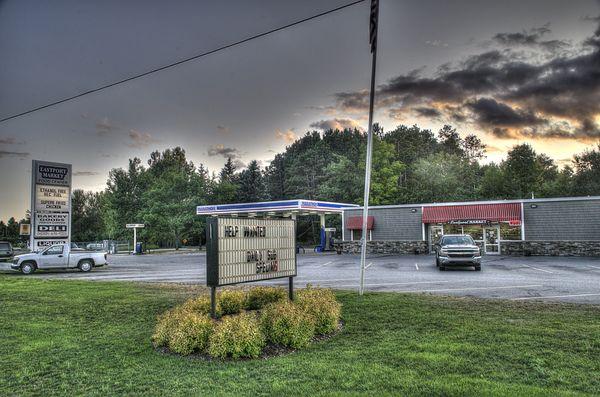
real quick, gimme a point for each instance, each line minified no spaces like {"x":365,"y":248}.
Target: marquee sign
{"x":243,"y":250}
{"x":52,"y":225}
{"x":50,"y":204}
{"x":52,"y":198}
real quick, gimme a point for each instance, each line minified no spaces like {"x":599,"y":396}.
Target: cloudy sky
{"x":510,"y":71}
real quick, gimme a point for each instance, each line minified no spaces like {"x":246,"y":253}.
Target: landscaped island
{"x":249,"y":323}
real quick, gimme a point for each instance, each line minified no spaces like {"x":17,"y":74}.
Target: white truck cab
{"x":59,"y":256}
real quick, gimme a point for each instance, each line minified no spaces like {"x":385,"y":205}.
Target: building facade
{"x":568,"y":226}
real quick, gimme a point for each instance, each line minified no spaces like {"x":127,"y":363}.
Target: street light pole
{"x":373,"y":25}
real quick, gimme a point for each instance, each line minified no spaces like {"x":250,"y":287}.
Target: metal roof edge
{"x":266,"y":206}
{"x":538,"y":200}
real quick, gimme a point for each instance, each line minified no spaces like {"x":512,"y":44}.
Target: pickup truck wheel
{"x":85,"y":266}
{"x":27,"y":268}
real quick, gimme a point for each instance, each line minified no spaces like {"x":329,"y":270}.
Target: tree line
{"x":410,"y":165}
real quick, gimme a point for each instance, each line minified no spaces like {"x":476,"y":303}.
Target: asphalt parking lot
{"x":566,"y":279}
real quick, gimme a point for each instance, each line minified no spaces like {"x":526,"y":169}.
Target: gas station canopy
{"x":287,"y":208}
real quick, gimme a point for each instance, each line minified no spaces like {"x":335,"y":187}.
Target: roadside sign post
{"x":245,"y":250}
{"x":135,"y":227}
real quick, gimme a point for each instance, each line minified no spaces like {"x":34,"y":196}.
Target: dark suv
{"x":457,"y":250}
{"x":6,"y":250}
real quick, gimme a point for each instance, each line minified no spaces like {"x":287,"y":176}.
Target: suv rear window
{"x":457,"y":240}
{"x":4,"y":247}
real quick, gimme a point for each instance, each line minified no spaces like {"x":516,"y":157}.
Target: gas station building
{"x":563,"y":226}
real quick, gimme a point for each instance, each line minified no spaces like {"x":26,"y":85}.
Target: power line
{"x":137,"y":76}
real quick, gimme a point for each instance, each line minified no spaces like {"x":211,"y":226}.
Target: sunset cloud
{"x":336,"y":124}
{"x":501,"y":92}
{"x":530,"y":38}
{"x":223,"y":151}
{"x":10,"y":141}
{"x":223,"y":130}
{"x":85,"y":173}
{"x":104,"y":126}
{"x":20,"y":155}
{"x":288,"y":136}
{"x":140,"y":139}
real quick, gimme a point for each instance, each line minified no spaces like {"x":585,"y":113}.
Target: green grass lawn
{"x":70,"y":337}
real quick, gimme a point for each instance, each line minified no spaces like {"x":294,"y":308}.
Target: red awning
{"x":485,"y":212}
{"x":355,"y":223}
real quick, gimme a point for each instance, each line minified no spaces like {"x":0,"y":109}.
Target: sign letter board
{"x":243,"y":250}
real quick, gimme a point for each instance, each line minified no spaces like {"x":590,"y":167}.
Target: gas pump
{"x":326,"y":244}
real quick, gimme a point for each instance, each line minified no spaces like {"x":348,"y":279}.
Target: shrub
{"x":322,"y":305}
{"x":285,"y":323}
{"x":260,"y":297}
{"x":231,"y":301}
{"x":237,"y":336}
{"x":201,"y":305}
{"x":183,"y":331}
{"x":164,"y":326}
{"x":191,"y":333}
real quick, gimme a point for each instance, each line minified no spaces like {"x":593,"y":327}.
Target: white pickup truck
{"x":59,"y":256}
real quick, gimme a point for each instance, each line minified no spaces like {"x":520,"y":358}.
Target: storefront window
{"x":452,"y":229}
{"x":474,"y":231}
{"x":508,"y":232}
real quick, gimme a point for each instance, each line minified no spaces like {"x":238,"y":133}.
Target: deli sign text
{"x":242,"y":250}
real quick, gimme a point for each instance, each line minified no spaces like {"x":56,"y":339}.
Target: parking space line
{"x":368,"y":265}
{"x":537,"y":268}
{"x":416,"y":266}
{"x":595,"y":267}
{"x":476,"y":288}
{"x":384,"y":284}
{"x":325,"y":264}
{"x":316,"y":281}
{"x":553,"y":297}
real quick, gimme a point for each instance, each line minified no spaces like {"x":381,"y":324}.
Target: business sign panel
{"x":56,"y":174}
{"x":42,"y":244}
{"x":51,"y":225}
{"x":24,"y":229}
{"x":50,"y":204}
{"x":52,"y":198}
{"x":470,"y":222}
{"x":242,"y":250}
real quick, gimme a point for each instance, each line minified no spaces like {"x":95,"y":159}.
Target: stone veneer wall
{"x":514,"y":248}
{"x":384,"y":247}
{"x":551,"y":248}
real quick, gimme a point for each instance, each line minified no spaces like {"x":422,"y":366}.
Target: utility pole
{"x":373,"y":25}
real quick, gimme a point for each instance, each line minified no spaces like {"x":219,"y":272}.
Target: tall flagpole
{"x":373,"y":22}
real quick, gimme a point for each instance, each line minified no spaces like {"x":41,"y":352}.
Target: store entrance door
{"x":435,"y":234}
{"x":491,"y":240}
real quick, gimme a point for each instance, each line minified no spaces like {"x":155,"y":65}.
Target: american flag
{"x":373,"y":24}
